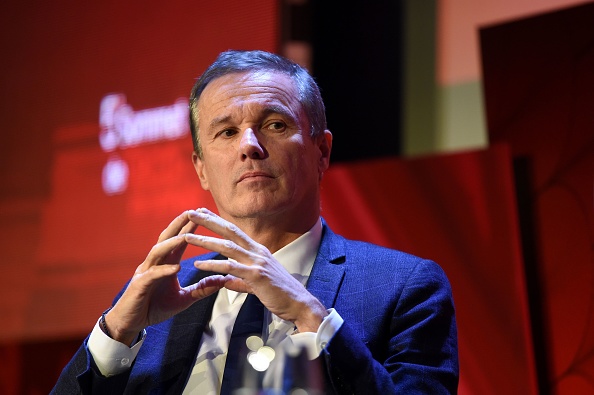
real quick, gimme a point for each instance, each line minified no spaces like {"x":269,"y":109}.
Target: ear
{"x":325,"y":146}
{"x":199,"y":167}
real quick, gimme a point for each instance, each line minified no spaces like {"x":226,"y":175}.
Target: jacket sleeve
{"x":81,"y":376}
{"x":422,"y":356}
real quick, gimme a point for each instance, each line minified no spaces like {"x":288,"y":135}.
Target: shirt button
{"x":323,"y":344}
{"x":125,"y":361}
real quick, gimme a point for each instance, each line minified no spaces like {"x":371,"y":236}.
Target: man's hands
{"x":252,"y":268}
{"x":154,"y":293}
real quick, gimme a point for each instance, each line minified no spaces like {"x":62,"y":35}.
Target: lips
{"x":254,"y":174}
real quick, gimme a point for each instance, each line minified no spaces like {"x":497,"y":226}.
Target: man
{"x":378,"y":321}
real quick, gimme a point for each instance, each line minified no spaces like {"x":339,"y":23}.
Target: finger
{"x":223,"y":228}
{"x":225,"y":266}
{"x":180,"y":224}
{"x":190,"y":227}
{"x":224,"y":247}
{"x":237,"y":284}
{"x":205,"y":287}
{"x":147,"y":278}
{"x":161,"y":252}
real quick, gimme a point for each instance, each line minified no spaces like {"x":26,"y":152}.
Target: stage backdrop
{"x":95,"y":145}
{"x":539,"y":93}
{"x":459,"y":210}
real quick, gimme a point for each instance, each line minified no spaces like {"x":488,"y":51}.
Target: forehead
{"x":242,"y":90}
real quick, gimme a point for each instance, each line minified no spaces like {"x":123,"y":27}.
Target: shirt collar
{"x":298,"y":256}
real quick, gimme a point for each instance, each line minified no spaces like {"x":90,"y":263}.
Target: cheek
{"x":213,"y":177}
{"x":304,"y":169}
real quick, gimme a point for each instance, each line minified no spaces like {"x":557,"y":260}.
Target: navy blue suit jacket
{"x":399,"y":332}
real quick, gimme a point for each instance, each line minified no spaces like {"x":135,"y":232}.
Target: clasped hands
{"x":154,"y":293}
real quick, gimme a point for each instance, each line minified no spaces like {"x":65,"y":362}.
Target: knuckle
{"x":233,"y":228}
{"x":229,"y":265}
{"x":260,"y":262}
{"x":261,"y":250}
{"x":260,"y":272}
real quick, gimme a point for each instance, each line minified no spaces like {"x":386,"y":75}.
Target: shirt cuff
{"x":111,"y":356}
{"x":314,"y":343}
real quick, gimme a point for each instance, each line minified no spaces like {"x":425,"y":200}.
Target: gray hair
{"x":234,"y":61}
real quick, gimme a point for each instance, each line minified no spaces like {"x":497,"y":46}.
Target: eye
{"x":276,"y":126}
{"x":226,"y":133}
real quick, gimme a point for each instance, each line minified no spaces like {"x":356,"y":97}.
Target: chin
{"x":260,"y":209}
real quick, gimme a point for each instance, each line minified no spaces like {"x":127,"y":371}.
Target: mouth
{"x":254,"y":175}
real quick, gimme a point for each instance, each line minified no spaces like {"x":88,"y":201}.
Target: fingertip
{"x":199,"y":212}
{"x":185,"y":214}
{"x":192,"y":213}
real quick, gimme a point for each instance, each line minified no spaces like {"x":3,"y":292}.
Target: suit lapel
{"x":328,"y":270}
{"x":182,"y":336}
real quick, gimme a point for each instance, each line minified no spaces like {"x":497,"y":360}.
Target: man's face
{"x":258,"y":159}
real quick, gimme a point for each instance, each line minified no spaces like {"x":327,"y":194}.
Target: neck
{"x":275,"y":232}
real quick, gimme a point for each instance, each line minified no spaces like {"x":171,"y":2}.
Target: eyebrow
{"x":219,"y":120}
{"x":265,"y":112}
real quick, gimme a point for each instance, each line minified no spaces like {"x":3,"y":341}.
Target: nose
{"x":250,"y":146}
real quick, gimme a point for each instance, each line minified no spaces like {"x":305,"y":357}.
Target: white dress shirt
{"x":113,"y":357}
